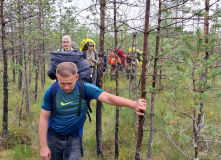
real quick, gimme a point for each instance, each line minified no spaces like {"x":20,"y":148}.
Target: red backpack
{"x":122,"y":58}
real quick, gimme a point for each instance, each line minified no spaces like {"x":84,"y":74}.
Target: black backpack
{"x":74,"y":56}
{"x":80,"y":85}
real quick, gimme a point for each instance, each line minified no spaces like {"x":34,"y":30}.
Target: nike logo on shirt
{"x":63,"y":104}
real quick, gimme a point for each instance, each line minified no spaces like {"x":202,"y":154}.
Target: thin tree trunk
{"x":100,"y":82}
{"x":117,"y":89}
{"x":36,"y":78}
{"x":5,"y":76}
{"x":20,"y":114}
{"x":43,"y":64}
{"x":203,"y":76}
{"x":30,"y":65}
{"x":130,"y":73}
{"x":143,"y":80}
{"x":135,"y":74}
{"x":20,"y":55}
{"x":60,"y":7}
{"x":154,"y":84}
{"x":13,"y":52}
{"x":160,"y":77}
{"x":26,"y":73}
{"x":195,"y":132}
{"x":36,"y":75}
{"x":40,"y":44}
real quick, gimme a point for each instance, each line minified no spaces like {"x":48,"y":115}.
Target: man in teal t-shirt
{"x":61,"y":134}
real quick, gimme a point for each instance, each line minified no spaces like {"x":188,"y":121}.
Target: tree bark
{"x":135,"y":74}
{"x":26,"y":70}
{"x":116,"y":79}
{"x":13,"y":51}
{"x":203,"y":76}
{"x":30,"y":55}
{"x":40,"y":43}
{"x":100,"y":82}
{"x":143,"y":80}
{"x":20,"y":49}
{"x":5,"y":75}
{"x":154,"y":84}
{"x":36,"y":75}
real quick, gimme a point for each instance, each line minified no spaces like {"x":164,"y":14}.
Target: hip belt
{"x":62,"y":137}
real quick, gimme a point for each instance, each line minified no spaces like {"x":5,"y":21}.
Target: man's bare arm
{"x":138,"y":106}
{"x":43,"y":128}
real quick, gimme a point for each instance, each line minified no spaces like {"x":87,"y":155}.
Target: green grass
{"x":166,"y":121}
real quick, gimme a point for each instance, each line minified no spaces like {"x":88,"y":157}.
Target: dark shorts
{"x":59,"y":148}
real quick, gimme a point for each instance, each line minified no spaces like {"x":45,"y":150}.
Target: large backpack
{"x":75,"y":56}
{"x":80,"y":85}
{"x":122,"y":58}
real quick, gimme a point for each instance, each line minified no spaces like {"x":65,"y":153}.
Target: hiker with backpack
{"x":111,"y":61}
{"x":132,"y":62}
{"x":120,"y":53}
{"x":66,"y":43}
{"x":91,"y":59}
{"x":62,"y":119}
{"x":69,"y":54}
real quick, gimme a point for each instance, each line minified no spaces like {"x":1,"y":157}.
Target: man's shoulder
{"x":87,"y":85}
{"x":47,"y":94}
{"x":50,"y":88}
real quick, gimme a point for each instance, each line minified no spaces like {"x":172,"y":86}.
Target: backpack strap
{"x":84,"y":54}
{"x":95,"y":54}
{"x":83,"y":95}
{"x":53,"y":98}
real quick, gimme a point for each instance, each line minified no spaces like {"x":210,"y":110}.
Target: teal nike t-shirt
{"x":67,"y":120}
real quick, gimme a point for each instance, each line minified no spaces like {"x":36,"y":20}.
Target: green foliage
{"x":200,"y":14}
{"x":25,"y":152}
{"x":185,"y":139}
{"x":17,"y":66}
{"x":169,"y":129}
{"x":209,"y":130}
{"x":17,"y":135}
{"x":218,"y":94}
{"x":169,"y":116}
{"x":149,"y":89}
{"x":178,"y":28}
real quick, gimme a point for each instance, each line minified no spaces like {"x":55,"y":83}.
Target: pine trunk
{"x":143,"y":79}
{"x":135,"y":73}
{"x":117,"y":89}
{"x":13,"y":51}
{"x":5,"y":76}
{"x":100,"y":82}
{"x":20,"y":48}
{"x":154,"y":84}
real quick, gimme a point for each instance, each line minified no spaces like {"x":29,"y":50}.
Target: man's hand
{"x":141,"y":105}
{"x":45,"y":153}
{"x":93,"y":60}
